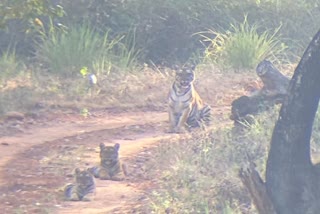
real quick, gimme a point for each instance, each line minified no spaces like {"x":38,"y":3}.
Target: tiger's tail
{"x":201,"y":118}
{"x":69,"y":191}
{"x":205,"y":115}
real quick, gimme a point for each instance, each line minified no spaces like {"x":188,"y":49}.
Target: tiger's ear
{"x":192,"y":67}
{"x":77,"y":171}
{"x":176,"y":67}
{"x":117,"y":146}
{"x":102,"y":146}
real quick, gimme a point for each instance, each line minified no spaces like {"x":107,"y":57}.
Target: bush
{"x":164,"y":29}
{"x":17,"y":22}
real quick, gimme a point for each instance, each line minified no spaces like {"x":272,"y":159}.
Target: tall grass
{"x":9,"y":65}
{"x":243,"y":47}
{"x":127,"y":52}
{"x":66,"y":52}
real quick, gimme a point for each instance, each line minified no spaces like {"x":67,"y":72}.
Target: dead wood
{"x":257,"y":189}
{"x":274,"y":91}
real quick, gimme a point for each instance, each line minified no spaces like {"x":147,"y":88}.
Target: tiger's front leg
{"x":180,"y":127}
{"x":104,"y":174}
{"x":172,"y":120}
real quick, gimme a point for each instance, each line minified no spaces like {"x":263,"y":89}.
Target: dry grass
{"x":200,"y":175}
{"x":146,"y":89}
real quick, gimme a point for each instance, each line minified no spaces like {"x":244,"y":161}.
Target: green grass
{"x":66,"y":51}
{"x":200,"y":175}
{"x":9,"y":66}
{"x":16,"y":90}
{"x":243,"y":47}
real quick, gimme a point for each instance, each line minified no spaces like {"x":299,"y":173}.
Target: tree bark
{"x":274,"y":91}
{"x":257,"y":189}
{"x":292,"y":181}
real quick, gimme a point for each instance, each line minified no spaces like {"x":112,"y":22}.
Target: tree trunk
{"x":292,"y":181}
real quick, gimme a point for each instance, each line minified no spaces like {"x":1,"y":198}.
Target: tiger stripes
{"x":84,"y":184}
{"x":110,"y":167}
{"x":186,"y":108}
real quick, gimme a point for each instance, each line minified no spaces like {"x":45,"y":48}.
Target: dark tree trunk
{"x":292,"y":182}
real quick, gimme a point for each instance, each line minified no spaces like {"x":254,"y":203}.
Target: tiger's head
{"x":184,"y":76}
{"x":83,"y":177}
{"x":109,"y":155}
{"x":264,"y":67}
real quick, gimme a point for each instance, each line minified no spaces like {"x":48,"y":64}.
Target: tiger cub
{"x":110,"y":167}
{"x":84,"y":184}
{"x":186,"y":108}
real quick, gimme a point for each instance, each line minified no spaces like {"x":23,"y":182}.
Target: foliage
{"x":67,"y":51}
{"x":9,"y":65}
{"x":19,"y":20}
{"x":242,"y":47}
{"x":164,"y":29}
{"x":199,"y":175}
{"x":27,"y":10}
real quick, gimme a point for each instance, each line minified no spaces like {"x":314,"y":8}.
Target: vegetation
{"x":242,"y":47}
{"x":48,"y":44}
{"x":48,"y":52}
{"x":199,"y":175}
{"x":65,"y":52}
{"x":163,"y":29}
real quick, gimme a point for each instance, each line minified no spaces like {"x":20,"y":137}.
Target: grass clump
{"x":66,"y":51}
{"x":243,"y":47}
{"x":16,"y":90}
{"x":9,"y":65}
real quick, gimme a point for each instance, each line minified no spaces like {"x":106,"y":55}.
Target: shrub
{"x":164,"y":28}
{"x":242,"y":47}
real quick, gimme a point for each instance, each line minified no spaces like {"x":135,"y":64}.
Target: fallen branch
{"x":257,"y":189}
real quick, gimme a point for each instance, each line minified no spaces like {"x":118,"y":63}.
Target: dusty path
{"x":38,"y":161}
{"x":26,"y":177}
{"x":61,"y":128}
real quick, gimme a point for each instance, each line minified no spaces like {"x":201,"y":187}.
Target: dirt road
{"x":37,"y":161}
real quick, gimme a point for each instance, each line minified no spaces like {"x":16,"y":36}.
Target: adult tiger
{"x":186,"y":108}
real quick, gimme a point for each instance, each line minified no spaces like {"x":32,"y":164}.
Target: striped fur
{"x":186,"y":108}
{"x":84,"y":185}
{"x":110,"y":167}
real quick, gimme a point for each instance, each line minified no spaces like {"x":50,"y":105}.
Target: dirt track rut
{"x":134,"y":132}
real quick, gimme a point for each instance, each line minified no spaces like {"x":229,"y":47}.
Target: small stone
{"x":13,"y":115}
